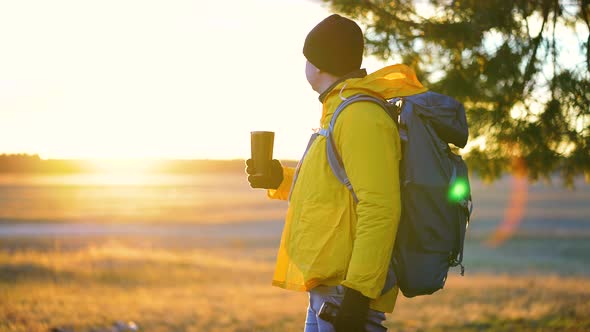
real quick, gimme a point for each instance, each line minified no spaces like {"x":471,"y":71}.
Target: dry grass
{"x":161,"y":290}
{"x":499,"y":303}
{"x":195,"y":283}
{"x":228,"y":289}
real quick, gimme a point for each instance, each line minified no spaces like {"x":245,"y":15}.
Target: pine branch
{"x":584,"y":4}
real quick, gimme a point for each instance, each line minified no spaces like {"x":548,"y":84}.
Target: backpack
{"x":434,"y":188}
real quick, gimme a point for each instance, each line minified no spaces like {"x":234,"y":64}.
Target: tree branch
{"x":554,"y":49}
{"x":384,"y":13}
{"x":529,"y":69}
{"x":585,"y":16}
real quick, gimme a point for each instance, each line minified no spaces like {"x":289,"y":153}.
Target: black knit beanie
{"x":335,"y":45}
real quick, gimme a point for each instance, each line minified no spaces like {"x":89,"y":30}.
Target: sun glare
{"x":114,"y":166}
{"x":122,"y":172}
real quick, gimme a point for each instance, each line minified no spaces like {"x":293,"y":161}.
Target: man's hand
{"x":353,"y":313}
{"x":272,"y":180}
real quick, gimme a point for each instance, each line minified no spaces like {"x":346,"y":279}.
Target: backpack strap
{"x":334,"y":158}
{"x":337,"y":165}
{"x":467,"y":206}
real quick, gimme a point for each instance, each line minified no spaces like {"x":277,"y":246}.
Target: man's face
{"x":312,"y":75}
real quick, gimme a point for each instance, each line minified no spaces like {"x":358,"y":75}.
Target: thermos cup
{"x":261,"y":143}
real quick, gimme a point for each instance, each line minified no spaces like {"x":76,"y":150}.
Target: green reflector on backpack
{"x":459,"y":190}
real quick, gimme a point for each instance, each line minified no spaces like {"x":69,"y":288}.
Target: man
{"x":335,"y":248}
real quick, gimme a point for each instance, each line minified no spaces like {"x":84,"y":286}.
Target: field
{"x":143,"y":259}
{"x":228,"y":289}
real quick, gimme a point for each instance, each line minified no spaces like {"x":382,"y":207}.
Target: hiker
{"x":335,"y":246}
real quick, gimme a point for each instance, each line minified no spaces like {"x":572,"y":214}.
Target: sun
{"x":114,"y":166}
{"x":121,"y":172}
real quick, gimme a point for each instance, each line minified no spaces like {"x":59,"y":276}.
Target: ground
{"x":183,"y":287}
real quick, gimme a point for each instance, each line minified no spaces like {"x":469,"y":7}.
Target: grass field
{"x":228,"y":288}
{"x":196,"y":253}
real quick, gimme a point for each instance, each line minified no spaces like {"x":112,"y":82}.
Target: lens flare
{"x":459,"y":190}
{"x":516,"y":210}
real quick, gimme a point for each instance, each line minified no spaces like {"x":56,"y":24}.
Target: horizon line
{"x":35,"y":155}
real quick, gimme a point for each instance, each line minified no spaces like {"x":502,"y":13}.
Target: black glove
{"x":272,"y":180}
{"x":353,"y":313}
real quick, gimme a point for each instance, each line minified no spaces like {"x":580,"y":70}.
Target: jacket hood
{"x":387,"y":83}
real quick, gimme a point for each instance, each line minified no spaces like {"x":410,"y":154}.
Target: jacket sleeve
{"x":282,"y":192}
{"x":368,"y":143}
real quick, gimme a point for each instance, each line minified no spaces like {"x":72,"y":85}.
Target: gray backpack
{"x":435,"y":192}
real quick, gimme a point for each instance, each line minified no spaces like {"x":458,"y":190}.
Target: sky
{"x":155,"y":79}
{"x":183,"y":79}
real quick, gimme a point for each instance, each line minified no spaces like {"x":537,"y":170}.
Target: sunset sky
{"x":155,"y":79}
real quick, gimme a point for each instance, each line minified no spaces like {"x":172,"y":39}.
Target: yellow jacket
{"x":329,"y":239}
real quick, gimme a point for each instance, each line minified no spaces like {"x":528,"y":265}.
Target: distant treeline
{"x":32,"y":163}
{"x":27,"y":163}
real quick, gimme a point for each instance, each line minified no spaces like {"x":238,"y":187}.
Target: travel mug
{"x":261,"y":143}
